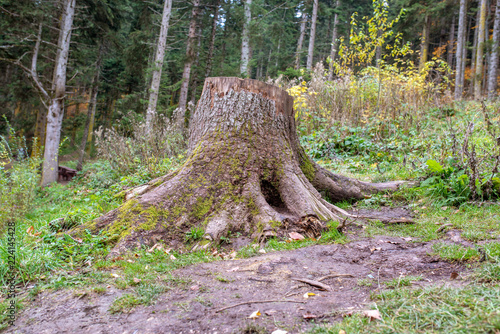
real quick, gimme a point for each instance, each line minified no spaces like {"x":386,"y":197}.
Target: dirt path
{"x":211,"y":286}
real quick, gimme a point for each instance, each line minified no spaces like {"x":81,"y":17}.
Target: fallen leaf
{"x":407,"y":239}
{"x":195,"y":287}
{"x":255,"y":315}
{"x":79,"y":240}
{"x":372,"y":314}
{"x":454,"y":275}
{"x":30,"y":230}
{"x":375,"y":249}
{"x":342,"y":331}
{"x":270,"y":312}
{"x":115,"y":275}
{"x":262,"y":251}
{"x":279,"y":331}
{"x":444,"y":207}
{"x":233,"y":254}
{"x":309,"y":294}
{"x":233,"y":269}
{"x":130,"y":261}
{"x":136,"y":255}
{"x":296,"y":236}
{"x":37,"y":234}
{"x":172,"y":257}
{"x":137,"y":280}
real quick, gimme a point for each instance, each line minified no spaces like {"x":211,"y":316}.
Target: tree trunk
{"x":302,"y":35}
{"x":245,"y":172}
{"x":459,"y":76}
{"x":210,"y":56}
{"x":245,"y":39}
{"x":424,"y":48}
{"x":56,"y":103}
{"x":91,"y":108}
{"x":333,"y":51}
{"x":312,"y":36}
{"x":190,"y":55}
{"x":474,"y":53}
{"x":478,"y":80}
{"x":195,"y":77}
{"x":451,"y":43}
{"x":158,"y":64}
{"x":493,"y":67}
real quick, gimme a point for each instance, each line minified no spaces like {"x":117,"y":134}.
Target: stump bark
{"x":246,"y":171}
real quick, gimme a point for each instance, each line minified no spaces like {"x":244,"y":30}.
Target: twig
{"x":313,"y":283}
{"x":334,"y":275}
{"x":259,"y":302}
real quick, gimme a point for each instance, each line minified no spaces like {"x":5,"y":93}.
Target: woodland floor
{"x":191,"y":305}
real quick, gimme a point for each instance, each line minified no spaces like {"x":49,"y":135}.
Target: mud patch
{"x":214,"y":286}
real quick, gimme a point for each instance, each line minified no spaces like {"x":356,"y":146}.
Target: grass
{"x":471,"y":309}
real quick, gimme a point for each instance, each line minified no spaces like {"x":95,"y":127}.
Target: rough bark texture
{"x":246,"y":172}
{"x":493,"y":67}
{"x":56,"y":103}
{"x":480,"y":48}
{"x":245,"y":39}
{"x":158,"y":65}
{"x":312,"y":36}
{"x":451,"y":43}
{"x":459,"y":77}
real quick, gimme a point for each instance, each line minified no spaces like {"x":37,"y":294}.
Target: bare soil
{"x":192,"y":308}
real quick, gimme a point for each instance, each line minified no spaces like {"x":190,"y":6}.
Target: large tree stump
{"x":246,"y":170}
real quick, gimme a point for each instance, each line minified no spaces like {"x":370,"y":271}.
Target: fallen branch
{"x":333,"y":275}
{"x":259,"y":302}
{"x":313,"y":283}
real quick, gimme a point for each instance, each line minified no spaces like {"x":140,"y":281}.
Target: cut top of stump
{"x":222,"y":85}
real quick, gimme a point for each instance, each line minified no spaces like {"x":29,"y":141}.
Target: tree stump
{"x":246,"y":171}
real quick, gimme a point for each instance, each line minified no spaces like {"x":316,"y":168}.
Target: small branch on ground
{"x":313,"y":283}
{"x":259,"y":302}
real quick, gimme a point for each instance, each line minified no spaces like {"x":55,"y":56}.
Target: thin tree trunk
{"x":424,"y":48}
{"x":480,"y":48}
{"x":245,"y":39}
{"x":451,"y":43}
{"x":158,"y":64}
{"x":474,"y":53}
{"x":493,"y":67}
{"x":210,"y":56}
{"x":190,"y":55}
{"x":56,"y":111}
{"x":333,"y":51}
{"x":310,"y":53}
{"x":87,"y":132}
{"x":461,"y":56}
{"x":301,"y":38}
{"x":195,"y":81}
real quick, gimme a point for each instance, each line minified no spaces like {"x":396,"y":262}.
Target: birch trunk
{"x":493,"y":67}
{"x":190,"y":55}
{"x":480,"y":48}
{"x":302,"y":35}
{"x":158,"y":64}
{"x":461,"y":55}
{"x":310,"y":53}
{"x":333,"y":52}
{"x":245,"y":39}
{"x":56,"y":103}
